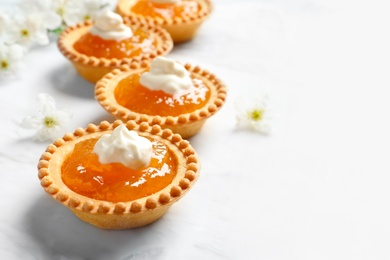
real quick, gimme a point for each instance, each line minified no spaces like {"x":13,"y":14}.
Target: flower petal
{"x":16,"y":52}
{"x":46,"y":104}
{"x":31,"y":122}
{"x":263,"y":127}
{"x":62,"y":117}
{"x":51,"y":20}
{"x":253,"y":114}
{"x":72,"y":18}
{"x":45,"y":133}
{"x":41,"y":37}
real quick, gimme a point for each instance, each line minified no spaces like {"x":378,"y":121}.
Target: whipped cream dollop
{"x":166,"y":75}
{"x":109,"y":26}
{"x":165,"y":1}
{"x":125,"y":147}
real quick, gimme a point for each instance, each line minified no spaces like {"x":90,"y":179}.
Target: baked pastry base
{"x":93,"y":68}
{"x":180,"y":29}
{"x":183,"y":32}
{"x":92,"y":74}
{"x":186,"y":125}
{"x":121,"y":221}
{"x":118,"y":215}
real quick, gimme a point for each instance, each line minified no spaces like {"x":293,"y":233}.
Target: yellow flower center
{"x":50,"y":121}
{"x":4,"y":64}
{"x":61,"y":11}
{"x":24,"y":32}
{"x":256,"y":114}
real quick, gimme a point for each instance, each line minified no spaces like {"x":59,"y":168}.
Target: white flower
{"x":45,"y":11}
{"x":254,"y":115}
{"x":56,"y":8}
{"x":4,"y":21}
{"x":79,"y":11}
{"x":30,"y":23}
{"x":28,"y":30}
{"x":11,"y":59}
{"x":52,"y":13}
{"x":6,"y":27}
{"x":50,"y":122}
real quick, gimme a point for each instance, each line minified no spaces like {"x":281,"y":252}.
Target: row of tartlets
{"x":162,"y":31}
{"x":157,"y":100}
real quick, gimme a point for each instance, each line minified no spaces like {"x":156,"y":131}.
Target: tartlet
{"x":119,"y":214}
{"x":93,"y":68}
{"x":186,"y":124}
{"x":182,"y":28}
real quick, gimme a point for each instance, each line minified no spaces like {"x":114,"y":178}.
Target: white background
{"x":316,"y":188}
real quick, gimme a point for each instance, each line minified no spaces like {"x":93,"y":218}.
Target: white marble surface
{"x":316,"y":188}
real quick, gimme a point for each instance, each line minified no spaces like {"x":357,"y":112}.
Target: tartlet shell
{"x":92,"y":68}
{"x":186,"y":125}
{"x":119,"y":215}
{"x":181,"y":29}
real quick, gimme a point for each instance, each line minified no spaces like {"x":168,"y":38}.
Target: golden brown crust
{"x":120,"y":215}
{"x":181,"y":29}
{"x":186,"y":125}
{"x":92,"y":68}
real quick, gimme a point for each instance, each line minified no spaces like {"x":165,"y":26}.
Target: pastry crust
{"x":93,"y":68}
{"x":186,"y":125}
{"x":119,"y":215}
{"x":181,"y":29}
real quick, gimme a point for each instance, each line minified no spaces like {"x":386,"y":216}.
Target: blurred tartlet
{"x":126,"y":95}
{"x":97,"y":47}
{"x":111,"y":195}
{"x":181,"y":18}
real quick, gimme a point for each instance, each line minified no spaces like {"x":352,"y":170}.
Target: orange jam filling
{"x":93,"y":45}
{"x":84,"y":174}
{"x":131,"y":94}
{"x":179,"y":9}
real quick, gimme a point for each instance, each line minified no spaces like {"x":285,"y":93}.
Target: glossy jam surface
{"x":137,"y":98}
{"x":92,"y":45}
{"x":179,"y":9}
{"x":114,"y":182}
